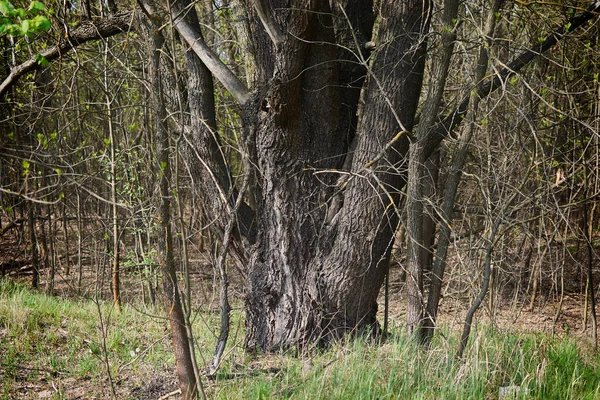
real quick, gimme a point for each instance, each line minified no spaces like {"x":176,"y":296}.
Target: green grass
{"x":48,"y":340}
{"x":55,"y":344}
{"x":399,"y":369}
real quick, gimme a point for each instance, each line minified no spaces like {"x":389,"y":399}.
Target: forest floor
{"x":66,"y":348}
{"x":75,"y":345}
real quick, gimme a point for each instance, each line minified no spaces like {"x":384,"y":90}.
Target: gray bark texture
{"x":416,"y":246}
{"x":314,"y":278}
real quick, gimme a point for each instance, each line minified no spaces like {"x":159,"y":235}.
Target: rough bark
{"x":297,"y":111}
{"x":311,"y":281}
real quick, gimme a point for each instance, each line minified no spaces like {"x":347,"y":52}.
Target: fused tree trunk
{"x":321,"y":251}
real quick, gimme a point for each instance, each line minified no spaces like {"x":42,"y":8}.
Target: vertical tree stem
{"x":116,"y":278}
{"x":224,"y":300}
{"x":487,"y":273}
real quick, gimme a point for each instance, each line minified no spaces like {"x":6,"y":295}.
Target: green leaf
{"x":25,"y":27}
{"x":41,"y":60}
{"x":107,"y":142}
{"x":41,"y":23}
{"x":36,"y":7}
{"x":25,"y":164}
{"x":13,"y":29}
{"x":6,"y":8}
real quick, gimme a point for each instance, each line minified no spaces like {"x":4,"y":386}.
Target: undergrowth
{"x":60,"y":347}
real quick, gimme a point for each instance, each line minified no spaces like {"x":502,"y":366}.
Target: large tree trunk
{"x":323,"y":235}
{"x":315,"y":272}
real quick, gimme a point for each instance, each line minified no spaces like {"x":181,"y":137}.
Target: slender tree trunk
{"x":42,"y":240}
{"x":224,"y":293}
{"x":35,"y":263}
{"x":430,"y":185}
{"x":172,"y":301}
{"x":51,"y":253}
{"x":487,"y":273}
{"x":414,"y":247}
{"x":587,"y":234}
{"x":202,"y":145}
{"x":65,"y":226}
{"x":79,"y":243}
{"x":452,"y":182}
{"x":116,"y":254}
{"x":415,"y":251}
{"x":187,"y":303}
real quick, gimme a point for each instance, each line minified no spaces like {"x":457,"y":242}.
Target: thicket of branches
{"x":80,"y":181}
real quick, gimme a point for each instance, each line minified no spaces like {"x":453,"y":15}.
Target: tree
{"x":328,"y":185}
{"x":321,"y":250}
{"x":314,"y":273}
{"x":329,"y":124}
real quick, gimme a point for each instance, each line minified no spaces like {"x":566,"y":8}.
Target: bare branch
{"x":485,"y":88}
{"x":231,"y":82}
{"x":87,"y":31}
{"x":266,"y":17}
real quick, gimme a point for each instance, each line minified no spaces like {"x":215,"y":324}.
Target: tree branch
{"x":87,"y":31}
{"x":266,"y":17}
{"x":485,"y":88}
{"x":220,"y":71}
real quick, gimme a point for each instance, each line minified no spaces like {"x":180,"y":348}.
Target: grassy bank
{"x":60,"y":348}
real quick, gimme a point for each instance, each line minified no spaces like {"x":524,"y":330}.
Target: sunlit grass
{"x":52,"y":341}
{"x":539,"y":367}
{"x":48,"y":339}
